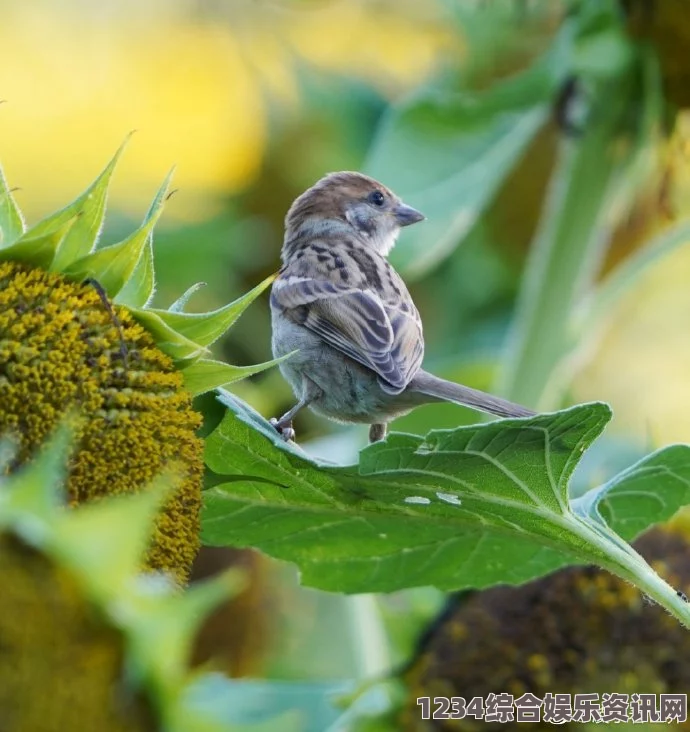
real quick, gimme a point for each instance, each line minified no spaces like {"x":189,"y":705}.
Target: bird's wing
{"x":358,"y":323}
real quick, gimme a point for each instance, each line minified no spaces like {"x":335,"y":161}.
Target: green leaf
{"x":162,"y":627}
{"x":206,"y":374}
{"x":139,"y":288}
{"x":11,"y":221}
{"x":179,"y":305}
{"x":648,"y":493}
{"x":602,"y":49}
{"x":463,"y":508}
{"x":113,"y":266}
{"x":90,"y":541}
{"x":90,"y":208}
{"x":204,"y":328}
{"x":265,"y":706}
{"x":447,"y":153}
{"x":364,"y":518}
{"x":29,"y":498}
{"x":166,"y":337}
{"x":37,"y":250}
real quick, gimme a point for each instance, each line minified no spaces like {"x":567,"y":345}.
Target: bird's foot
{"x":284,"y":430}
{"x":377,"y":432}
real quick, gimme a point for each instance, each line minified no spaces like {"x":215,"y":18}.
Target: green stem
{"x":619,"y":558}
{"x":369,"y":635}
{"x":593,"y":175}
{"x":562,"y":261}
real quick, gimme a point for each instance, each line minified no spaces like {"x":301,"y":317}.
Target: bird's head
{"x":353,"y":202}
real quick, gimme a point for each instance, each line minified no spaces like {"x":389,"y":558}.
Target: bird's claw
{"x":285,"y":431}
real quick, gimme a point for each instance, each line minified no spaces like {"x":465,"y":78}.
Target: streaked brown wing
{"x":358,"y":324}
{"x":408,"y":342}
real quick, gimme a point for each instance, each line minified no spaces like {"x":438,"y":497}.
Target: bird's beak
{"x":406,"y":215}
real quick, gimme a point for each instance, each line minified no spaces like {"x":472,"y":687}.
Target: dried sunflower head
{"x":78,"y":337}
{"x":86,"y":641}
{"x":579,"y":630}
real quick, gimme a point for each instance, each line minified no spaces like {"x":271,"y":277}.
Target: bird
{"x":344,"y":313}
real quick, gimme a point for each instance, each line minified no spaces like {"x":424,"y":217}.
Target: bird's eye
{"x":377,"y":198}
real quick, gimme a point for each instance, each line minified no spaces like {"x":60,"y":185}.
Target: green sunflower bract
{"x":124,"y":374}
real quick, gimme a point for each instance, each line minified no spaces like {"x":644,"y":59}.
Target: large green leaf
{"x":447,"y":153}
{"x":462,"y":508}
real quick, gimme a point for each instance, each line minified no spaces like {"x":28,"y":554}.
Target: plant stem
{"x":566,"y":252}
{"x":619,"y":558}
{"x":571,"y":238}
{"x":369,"y":636}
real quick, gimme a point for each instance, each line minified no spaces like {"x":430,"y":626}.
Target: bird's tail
{"x":448,"y":391}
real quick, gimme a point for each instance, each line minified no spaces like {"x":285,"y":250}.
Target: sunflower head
{"x":79,"y":340}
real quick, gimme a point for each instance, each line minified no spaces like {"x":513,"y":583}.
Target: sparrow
{"x":348,"y":316}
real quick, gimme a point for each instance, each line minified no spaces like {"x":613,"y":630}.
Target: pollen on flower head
{"x":61,"y":355}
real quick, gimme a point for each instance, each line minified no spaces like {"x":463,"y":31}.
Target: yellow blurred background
{"x":194,"y":79}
